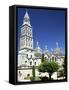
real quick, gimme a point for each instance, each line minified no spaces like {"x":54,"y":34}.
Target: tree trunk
{"x":42,"y":59}
{"x":33,"y":72}
{"x":49,"y":76}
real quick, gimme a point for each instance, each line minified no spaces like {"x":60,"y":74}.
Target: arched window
{"x":31,"y":63}
{"x":27,"y":56}
{"x":50,"y":59}
{"x":28,"y":75}
{"x":53,"y":58}
{"x":20,"y":74}
{"x":25,"y":62}
{"x":31,"y":45}
{"x":35,"y":63}
{"x":31,"y":56}
{"x":45,"y":58}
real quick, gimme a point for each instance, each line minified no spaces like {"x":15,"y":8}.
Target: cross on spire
{"x":51,"y":49}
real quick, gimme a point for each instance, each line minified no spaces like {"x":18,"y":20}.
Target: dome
{"x":57,"y":50}
{"x":38,"y":53}
{"x":38,"y":50}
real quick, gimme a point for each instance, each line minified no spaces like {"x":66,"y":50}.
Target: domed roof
{"x":38,"y":50}
{"x":57,"y":50}
{"x":46,"y":51}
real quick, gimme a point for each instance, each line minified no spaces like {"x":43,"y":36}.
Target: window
{"x":50,"y":59}
{"x":31,"y":63}
{"x":25,"y":61}
{"x":53,"y":58}
{"x":31,"y":56}
{"x":45,"y":58}
{"x":30,"y":34}
{"x":27,"y":56}
{"x":31,"y":39}
{"x":31,"y":45}
{"x":28,"y":75}
{"x":35,"y":63}
{"x":20,"y":74}
{"x":26,"y":43}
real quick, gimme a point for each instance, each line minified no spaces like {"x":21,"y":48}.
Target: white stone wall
{"x":25,"y":72}
{"x":60,"y":61}
{"x":22,"y":57}
{"x":19,"y":60}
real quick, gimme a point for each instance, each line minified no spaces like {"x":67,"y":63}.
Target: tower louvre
{"x":26,"y":37}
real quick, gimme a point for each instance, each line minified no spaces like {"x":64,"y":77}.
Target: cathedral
{"x":28,"y":56}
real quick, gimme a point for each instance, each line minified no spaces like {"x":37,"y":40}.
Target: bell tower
{"x":26,"y":37}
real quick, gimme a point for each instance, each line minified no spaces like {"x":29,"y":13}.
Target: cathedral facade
{"x":28,"y":56}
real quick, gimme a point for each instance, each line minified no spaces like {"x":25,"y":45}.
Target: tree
{"x":42,"y":58}
{"x":49,"y":67}
{"x":61,"y":72}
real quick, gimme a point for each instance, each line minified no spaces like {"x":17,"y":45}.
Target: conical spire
{"x":37,"y":44}
{"x":26,"y":19}
{"x":46,"y":49}
{"x":38,"y":47}
{"x":26,"y":15}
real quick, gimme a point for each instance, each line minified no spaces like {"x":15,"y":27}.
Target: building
{"x":28,"y":56}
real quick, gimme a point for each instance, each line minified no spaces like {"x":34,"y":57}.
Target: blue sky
{"x":48,"y":27}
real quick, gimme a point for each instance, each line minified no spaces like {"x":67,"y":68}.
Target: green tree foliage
{"x":61,"y":73}
{"x":49,"y":67}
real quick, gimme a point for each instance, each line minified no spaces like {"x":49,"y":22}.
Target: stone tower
{"x":26,"y":37}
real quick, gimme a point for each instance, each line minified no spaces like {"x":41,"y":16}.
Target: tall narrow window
{"x":31,"y":63}
{"x":45,"y":58}
{"x":25,"y":62}
{"x":27,"y":56}
{"x":53,"y":58}
{"x":50,"y":59}
{"x":35,"y":63}
{"x":31,"y":56}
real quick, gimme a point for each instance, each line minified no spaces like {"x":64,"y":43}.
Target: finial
{"x":45,"y":46}
{"x":51,"y":49}
{"x":37,"y":44}
{"x":57,"y":44}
